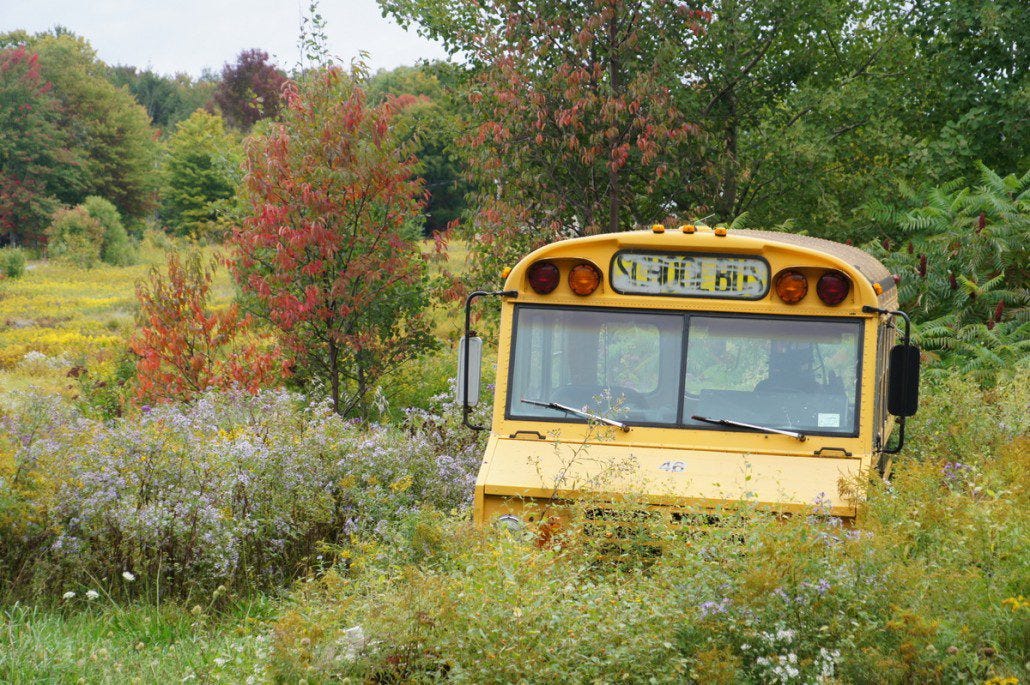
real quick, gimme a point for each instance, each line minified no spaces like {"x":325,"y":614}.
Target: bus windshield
{"x":661,"y":368}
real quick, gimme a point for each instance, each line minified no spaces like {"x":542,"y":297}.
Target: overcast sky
{"x":170,"y":36}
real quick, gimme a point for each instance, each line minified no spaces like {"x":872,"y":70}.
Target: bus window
{"x":781,"y":373}
{"x":620,"y":364}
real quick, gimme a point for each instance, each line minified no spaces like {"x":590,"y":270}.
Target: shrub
{"x":76,"y":237}
{"x":233,"y":490}
{"x":185,"y":347}
{"x":929,"y":586}
{"x":12,"y":262}
{"x":116,"y":249}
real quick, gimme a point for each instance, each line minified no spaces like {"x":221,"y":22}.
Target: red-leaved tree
{"x":577,"y":128}
{"x":329,"y":251}
{"x":185,"y":347}
{"x":250,"y":89}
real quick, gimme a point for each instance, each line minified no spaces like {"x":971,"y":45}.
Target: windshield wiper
{"x":740,"y":424}
{"x":579,"y":412}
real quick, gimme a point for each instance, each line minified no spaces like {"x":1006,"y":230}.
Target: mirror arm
{"x":908,"y":338}
{"x":469,"y":333}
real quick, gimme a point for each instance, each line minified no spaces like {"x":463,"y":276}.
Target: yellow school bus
{"x":692,"y":368}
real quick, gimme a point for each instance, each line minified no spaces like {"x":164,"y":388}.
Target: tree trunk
{"x":334,"y":374}
{"x":727,"y":201}
{"x":614,"y":82}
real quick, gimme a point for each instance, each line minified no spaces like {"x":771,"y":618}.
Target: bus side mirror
{"x":472,"y":373}
{"x":903,"y":381}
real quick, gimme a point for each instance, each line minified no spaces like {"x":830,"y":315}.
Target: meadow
{"x":263,"y":538}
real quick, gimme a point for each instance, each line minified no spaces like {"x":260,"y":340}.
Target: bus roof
{"x":868,"y":265}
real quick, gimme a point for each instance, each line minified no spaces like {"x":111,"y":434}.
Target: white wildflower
{"x":92,"y":594}
{"x":128,"y":575}
{"x":68,"y":595}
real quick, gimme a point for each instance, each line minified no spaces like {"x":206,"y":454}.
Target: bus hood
{"x":542,"y":469}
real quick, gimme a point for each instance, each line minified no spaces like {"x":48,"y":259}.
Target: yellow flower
{"x":401,"y":484}
{"x":1016,"y":603}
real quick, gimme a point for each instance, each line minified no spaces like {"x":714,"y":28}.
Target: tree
{"x":328,"y":252}
{"x":34,"y":156}
{"x":974,"y":77}
{"x":201,"y":174}
{"x":185,"y":347}
{"x":961,"y":255}
{"x":107,"y":132}
{"x":167,"y":99}
{"x":75,"y":236}
{"x":250,"y":89}
{"x":434,"y":120}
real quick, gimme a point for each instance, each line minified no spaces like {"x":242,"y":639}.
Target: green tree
{"x":433,"y":118}
{"x":960,"y":253}
{"x":75,"y":237}
{"x":201,"y":174}
{"x":115,"y":248}
{"x":167,"y":99}
{"x":786,"y":95}
{"x":974,"y":82}
{"x":107,"y":130}
{"x":35,"y":161}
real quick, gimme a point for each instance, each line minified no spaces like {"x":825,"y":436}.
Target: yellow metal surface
{"x":720,"y":467}
{"x":556,"y":469}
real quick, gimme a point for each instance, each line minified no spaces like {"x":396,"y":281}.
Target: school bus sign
{"x":689,"y":275}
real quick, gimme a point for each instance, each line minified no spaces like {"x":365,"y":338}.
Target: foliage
{"x":961,"y":255}
{"x":234,"y":490}
{"x":574,"y":106}
{"x":115,"y":248}
{"x":184,"y":347}
{"x":34,"y":157}
{"x":108,"y":132}
{"x":250,"y":89}
{"x":75,"y":236}
{"x":167,"y":99}
{"x":929,"y":586}
{"x":12,"y":262}
{"x":201,"y":174}
{"x":327,"y":252}
{"x":975,"y":69}
{"x":434,"y":120}
{"x":88,"y":234}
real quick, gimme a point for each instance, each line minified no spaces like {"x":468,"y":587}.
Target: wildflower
{"x":711,"y":608}
{"x":68,"y":595}
{"x":128,"y":575}
{"x":92,"y":594}
{"x":1016,"y":603}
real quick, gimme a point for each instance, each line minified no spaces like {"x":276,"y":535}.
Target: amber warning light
{"x":584,"y":279}
{"x":791,"y":286}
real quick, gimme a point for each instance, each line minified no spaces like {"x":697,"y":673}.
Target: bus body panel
{"x":550,"y":470}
